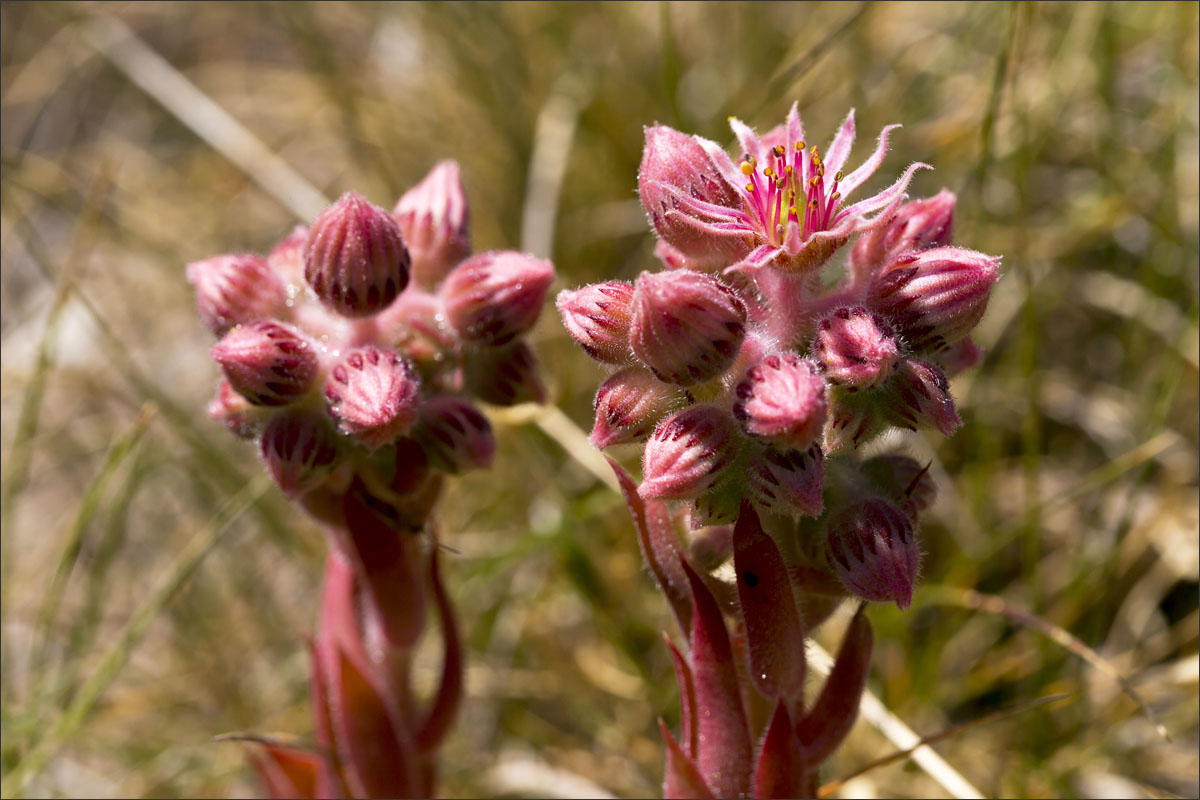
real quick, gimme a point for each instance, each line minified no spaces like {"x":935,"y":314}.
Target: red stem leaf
{"x":833,"y":715}
{"x":682,"y":778}
{"x":725,"y":748}
{"x":782,"y":767}
{"x":450,"y":691}
{"x":774,"y":632}
{"x":687,"y":698}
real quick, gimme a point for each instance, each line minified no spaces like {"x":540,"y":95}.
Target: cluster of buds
{"x":752,"y":384}
{"x":353,"y":354}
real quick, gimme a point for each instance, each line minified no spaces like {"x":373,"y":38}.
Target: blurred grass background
{"x":155,"y":596}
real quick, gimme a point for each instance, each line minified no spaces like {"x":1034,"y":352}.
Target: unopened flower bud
{"x":872,"y":546}
{"x":788,"y":482}
{"x":856,"y":348}
{"x":918,"y":225}
{"x":491,"y":298}
{"x":710,"y":546}
{"x":433,"y":219}
{"x":628,"y":405}
{"x":934,"y":297}
{"x":300,"y":449}
{"x":373,"y":394}
{"x":234,"y":289}
{"x":505,"y":376}
{"x":782,"y":400}
{"x":904,"y":480}
{"x":718,"y":506}
{"x":688,"y":453}
{"x":233,"y":410}
{"x":921,"y":395}
{"x":456,"y":435}
{"x":960,"y":356}
{"x":268,"y":363}
{"x":355,"y":259}
{"x":287,"y":257}
{"x":675,"y":169}
{"x":687,"y":327}
{"x":598,"y":317}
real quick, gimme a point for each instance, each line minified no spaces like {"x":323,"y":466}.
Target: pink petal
{"x":839,"y":148}
{"x":892,"y":194}
{"x":747,"y":138}
{"x":795,"y":128}
{"x":860,"y":175}
{"x":729,"y":171}
{"x":697,"y":206}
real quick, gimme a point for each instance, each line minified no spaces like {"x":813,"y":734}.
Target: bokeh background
{"x":154,"y":598}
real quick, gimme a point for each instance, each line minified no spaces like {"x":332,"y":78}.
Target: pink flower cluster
{"x":353,"y":354}
{"x":751,"y":381}
{"x":368,"y":329}
{"x":743,"y":371}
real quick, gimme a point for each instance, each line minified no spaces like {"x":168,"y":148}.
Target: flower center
{"x":790,"y":186}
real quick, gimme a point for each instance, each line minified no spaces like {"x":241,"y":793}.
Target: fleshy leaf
{"x":376,"y":753}
{"x":774,"y":631}
{"x":682,"y":778}
{"x":829,"y":720}
{"x":723,"y":731}
{"x":445,"y":704}
{"x":687,"y":698}
{"x":782,"y":769}
{"x":386,"y":560}
{"x":660,"y":546}
{"x":289,"y":771}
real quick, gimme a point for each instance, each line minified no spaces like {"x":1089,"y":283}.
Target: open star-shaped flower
{"x":782,"y":204}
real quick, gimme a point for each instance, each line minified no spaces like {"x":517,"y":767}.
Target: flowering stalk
{"x":352,"y":355}
{"x":754,"y":388}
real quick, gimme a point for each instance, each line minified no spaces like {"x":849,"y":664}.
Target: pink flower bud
{"x":687,"y":327}
{"x":373,"y":394}
{"x":233,"y":410}
{"x":688,"y":453}
{"x":433,"y":219}
{"x":491,"y":298}
{"x":355,"y":259}
{"x":456,"y":435}
{"x":628,"y":405}
{"x":300,"y":450}
{"x":872,"y":546}
{"x":854,"y":417}
{"x":856,"y":348}
{"x":788,"y":482}
{"x":960,"y":357}
{"x":505,"y":376}
{"x":234,"y":289}
{"x":904,"y":480}
{"x":268,"y":363}
{"x":286,"y":259}
{"x":916,"y":226}
{"x":710,"y":546}
{"x":782,"y":400}
{"x":921,"y":395}
{"x":675,"y":166}
{"x":935,"y":297}
{"x":598,"y":317}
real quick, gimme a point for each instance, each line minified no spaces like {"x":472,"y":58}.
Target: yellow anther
{"x":747,"y":168}
{"x":770,"y":173}
{"x":800,"y":145}
{"x":812,"y":204}
{"x":839,"y":176}
{"x":788,"y":169}
{"x":793,"y":212}
{"x":778,"y":150}
{"x":815,"y":152}
{"x":749,"y":187}
{"x":816,"y":160}
{"x":835,"y":197}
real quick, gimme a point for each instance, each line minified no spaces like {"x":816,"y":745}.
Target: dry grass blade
{"x":120,"y":449}
{"x":901,"y":735}
{"x":155,"y":76}
{"x":991,"y":604}
{"x":186,"y":562}
{"x":828,"y":789}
